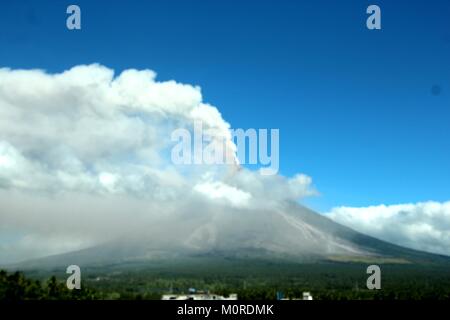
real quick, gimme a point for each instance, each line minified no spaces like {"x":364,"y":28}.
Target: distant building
{"x":306,"y":296}
{"x":198,"y":296}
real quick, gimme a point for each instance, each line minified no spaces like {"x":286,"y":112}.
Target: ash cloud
{"x":85,"y":159}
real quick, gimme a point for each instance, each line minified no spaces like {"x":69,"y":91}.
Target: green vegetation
{"x":249,"y":279}
{"x":16,"y":286}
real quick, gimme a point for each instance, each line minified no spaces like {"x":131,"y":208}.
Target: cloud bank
{"x":85,"y":158}
{"x":423,"y":226}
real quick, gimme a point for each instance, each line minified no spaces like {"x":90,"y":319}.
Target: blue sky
{"x":355,"y":108}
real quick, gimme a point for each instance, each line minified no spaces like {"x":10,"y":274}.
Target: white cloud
{"x":423,"y":226}
{"x":218,"y":190}
{"x":85,"y":154}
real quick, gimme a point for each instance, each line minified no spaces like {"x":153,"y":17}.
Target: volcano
{"x":293,"y":233}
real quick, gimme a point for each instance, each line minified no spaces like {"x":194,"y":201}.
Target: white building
{"x":198,"y":296}
{"x":306,"y":296}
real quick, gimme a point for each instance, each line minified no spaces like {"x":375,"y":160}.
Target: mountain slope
{"x":293,"y":233}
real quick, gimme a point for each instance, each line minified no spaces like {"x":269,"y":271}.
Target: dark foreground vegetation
{"x":255,"y":280}
{"x":16,"y":286}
